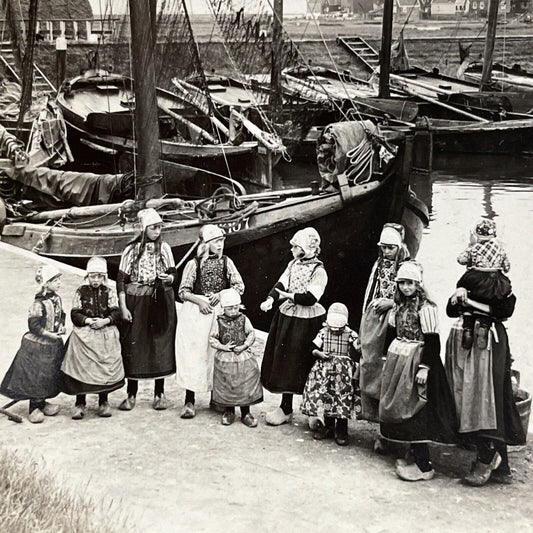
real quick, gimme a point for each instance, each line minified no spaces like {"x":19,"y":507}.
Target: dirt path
{"x":175,"y":475}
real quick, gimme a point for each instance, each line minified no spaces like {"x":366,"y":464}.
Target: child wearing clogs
{"x":288,"y":359}
{"x":93,"y":361}
{"x":329,"y":390}
{"x":34,"y":372}
{"x":236,"y":376}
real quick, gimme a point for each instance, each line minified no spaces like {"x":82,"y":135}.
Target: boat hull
{"x":259,"y":245}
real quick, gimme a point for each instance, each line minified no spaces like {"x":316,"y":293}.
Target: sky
{"x":200,"y":7}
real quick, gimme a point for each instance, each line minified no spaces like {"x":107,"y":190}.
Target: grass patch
{"x":32,"y":501}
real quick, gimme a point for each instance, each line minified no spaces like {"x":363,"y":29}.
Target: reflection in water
{"x":499,"y":188}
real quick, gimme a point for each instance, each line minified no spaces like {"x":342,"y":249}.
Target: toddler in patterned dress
{"x":485,"y":279}
{"x":329,"y":390}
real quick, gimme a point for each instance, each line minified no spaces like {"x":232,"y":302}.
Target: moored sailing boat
{"x":258,"y":225}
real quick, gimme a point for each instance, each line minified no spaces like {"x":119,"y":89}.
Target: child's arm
{"x":465,"y":257}
{"x":187,"y":285}
{"x":78,"y":317}
{"x":506,"y":265}
{"x":36,"y":321}
{"x":274,"y":293}
{"x":315,"y":289}
{"x":214,"y":341}
{"x":250,"y":337}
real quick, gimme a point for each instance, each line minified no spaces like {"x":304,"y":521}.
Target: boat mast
{"x":385,"y":52}
{"x":277,"y":44}
{"x":488,"y":54}
{"x":146,"y":111}
{"x":15,"y":32}
{"x":27,"y":64}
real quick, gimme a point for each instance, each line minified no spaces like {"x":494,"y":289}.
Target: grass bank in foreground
{"x":32,"y":501}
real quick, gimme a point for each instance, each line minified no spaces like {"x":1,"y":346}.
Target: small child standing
{"x":329,"y":390}
{"x":93,"y":362}
{"x":34,"y":373}
{"x":485,"y":279}
{"x":236,"y":377}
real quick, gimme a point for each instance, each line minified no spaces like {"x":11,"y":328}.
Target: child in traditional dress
{"x":93,"y":361}
{"x":485,"y":279}
{"x":377,"y":305}
{"x":416,"y":404}
{"x":288,"y":358}
{"x":34,"y":373}
{"x":204,"y":277}
{"x":236,"y":378}
{"x":146,"y":299}
{"x":329,"y":390}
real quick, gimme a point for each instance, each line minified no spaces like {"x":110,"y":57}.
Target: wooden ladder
{"x":361,"y":50}
{"x":7,"y":62}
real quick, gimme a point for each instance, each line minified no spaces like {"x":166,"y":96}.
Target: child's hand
{"x":214,"y":299}
{"x":459,"y":296}
{"x":357,"y":344}
{"x":267,"y":304}
{"x":240,"y":348}
{"x":205,"y":307}
{"x":422,"y":376}
{"x":321,"y":355}
{"x":99,"y":323}
{"x":383,"y":305}
{"x":284,"y":295}
{"x":228,"y":347}
{"x":126,"y":314}
{"x":167,"y":279}
{"x":62,"y":330}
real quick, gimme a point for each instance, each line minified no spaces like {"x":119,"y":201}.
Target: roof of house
{"x":56,"y":9}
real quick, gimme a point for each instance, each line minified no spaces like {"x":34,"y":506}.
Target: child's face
{"x":297,"y":252}
{"x":54,"y":284}
{"x":389,"y":251}
{"x":96,"y":279}
{"x":231,"y":310}
{"x":153,"y":231}
{"x":216,"y":246}
{"x":407,"y":287}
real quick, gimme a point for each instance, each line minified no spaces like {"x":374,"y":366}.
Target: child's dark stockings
{"x":286,"y":403}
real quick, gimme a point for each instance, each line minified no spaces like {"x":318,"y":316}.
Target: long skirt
{"x":481,"y":385}
{"x":148,"y":352}
{"x":195,"y":355}
{"x":373,"y":333}
{"x":93,"y":361}
{"x":34,"y":372}
{"x":413,"y":413}
{"x":288,"y":358}
{"x":237,"y":383}
{"x":329,"y":390}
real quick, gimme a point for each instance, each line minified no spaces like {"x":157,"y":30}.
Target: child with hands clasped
{"x":485,"y":279}
{"x":329,"y":390}
{"x":288,"y":359}
{"x":204,"y":277}
{"x":236,"y":378}
{"x":93,"y":362}
{"x":34,"y":372}
{"x":416,"y":404}
{"x":146,"y":298}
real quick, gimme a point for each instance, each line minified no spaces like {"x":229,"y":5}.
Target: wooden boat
{"x":98,"y":106}
{"x":503,"y":77}
{"x":258,"y":230}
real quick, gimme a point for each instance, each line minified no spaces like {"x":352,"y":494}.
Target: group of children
{"x":395,"y":365}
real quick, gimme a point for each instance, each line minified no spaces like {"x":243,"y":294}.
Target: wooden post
{"x":146,"y":115}
{"x":75,"y":31}
{"x":61,"y":59}
{"x":89,"y":30}
{"x":277,"y":47}
{"x":15,"y":31}
{"x":27,"y":64}
{"x":488,"y":54}
{"x":384,"y":53}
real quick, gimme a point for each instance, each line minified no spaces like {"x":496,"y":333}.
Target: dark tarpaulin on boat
{"x":75,"y":188}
